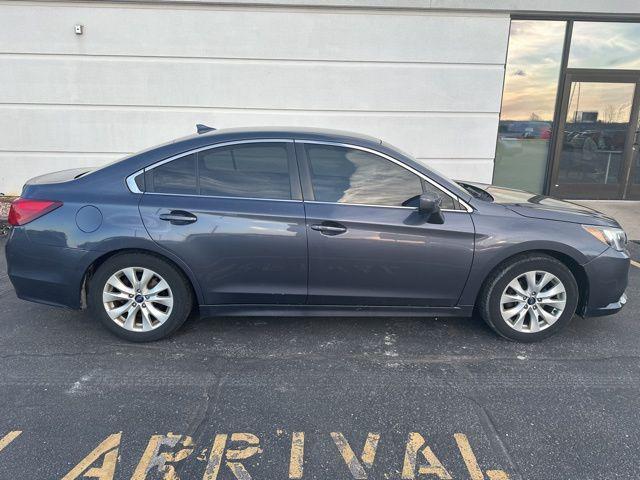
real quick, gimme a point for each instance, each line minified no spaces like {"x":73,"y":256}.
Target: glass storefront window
{"x":605,"y":45}
{"x":595,"y":132}
{"x":528,"y":101}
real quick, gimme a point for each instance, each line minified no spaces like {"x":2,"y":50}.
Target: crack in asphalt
{"x":488,"y":424}
{"x":486,"y":421}
{"x":196,"y":429}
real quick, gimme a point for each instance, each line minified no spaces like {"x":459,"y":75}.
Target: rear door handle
{"x":329,"y":228}
{"x":178,"y":217}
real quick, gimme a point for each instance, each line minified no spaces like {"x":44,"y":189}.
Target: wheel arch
{"x":180,"y":266}
{"x":567,"y":260}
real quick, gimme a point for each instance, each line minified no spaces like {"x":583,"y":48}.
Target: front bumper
{"x":610,"y":309}
{"x":608,"y":276}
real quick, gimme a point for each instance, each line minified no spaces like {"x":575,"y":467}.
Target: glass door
{"x":633,"y":189}
{"x":595,"y":145}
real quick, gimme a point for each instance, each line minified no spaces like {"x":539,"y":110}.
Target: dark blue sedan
{"x":305,"y":222}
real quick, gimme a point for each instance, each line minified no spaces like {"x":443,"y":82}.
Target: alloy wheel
{"x":533,"y":301}
{"x":137,"y":299}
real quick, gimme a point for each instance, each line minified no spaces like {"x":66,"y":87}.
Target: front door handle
{"x":178,"y":217}
{"x":329,"y":228}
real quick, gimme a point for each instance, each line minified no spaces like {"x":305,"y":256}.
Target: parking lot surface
{"x":317,"y":398}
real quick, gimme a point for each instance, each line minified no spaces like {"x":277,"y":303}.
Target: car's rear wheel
{"x":139,"y":297}
{"x":529,"y":298}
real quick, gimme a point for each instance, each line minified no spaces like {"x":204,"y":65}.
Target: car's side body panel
{"x":502,"y":233}
{"x":44,"y":273}
{"x":68,"y":242}
{"x":387,"y":256}
{"x":240,"y":250}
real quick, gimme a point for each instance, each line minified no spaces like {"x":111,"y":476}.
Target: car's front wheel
{"x":139,"y":297}
{"x":529,"y":298}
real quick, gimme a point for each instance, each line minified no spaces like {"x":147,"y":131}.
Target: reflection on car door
{"x":365,"y":247}
{"x":234,"y":214}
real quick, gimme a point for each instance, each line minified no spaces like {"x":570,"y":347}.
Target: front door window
{"x":357,"y":177}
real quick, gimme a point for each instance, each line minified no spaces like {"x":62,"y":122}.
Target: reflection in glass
{"x":595,"y":132}
{"x":346,"y":175}
{"x":605,"y":45}
{"x":257,"y":170}
{"x":177,"y":176}
{"x":528,"y":101}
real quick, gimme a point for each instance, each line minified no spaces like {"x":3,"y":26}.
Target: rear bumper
{"x":46,"y":274}
{"x":608,"y":276}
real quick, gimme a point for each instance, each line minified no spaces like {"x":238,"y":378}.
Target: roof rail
{"x":201,"y":128}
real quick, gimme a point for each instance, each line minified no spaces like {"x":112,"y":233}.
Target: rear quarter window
{"x":177,"y":176}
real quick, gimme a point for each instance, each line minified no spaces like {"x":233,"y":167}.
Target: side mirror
{"x":429,"y":207}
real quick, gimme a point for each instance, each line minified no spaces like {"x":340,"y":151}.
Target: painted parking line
{"x":8,"y":438}
{"x":635,"y":264}
{"x":233,"y":455}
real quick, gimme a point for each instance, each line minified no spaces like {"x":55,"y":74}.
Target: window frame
{"x":294,"y":177}
{"x":298,"y":173}
{"x":307,"y":187}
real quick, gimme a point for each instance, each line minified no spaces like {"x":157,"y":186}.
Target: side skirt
{"x":253,"y":310}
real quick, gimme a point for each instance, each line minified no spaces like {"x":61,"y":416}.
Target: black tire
{"x":180,"y":288}
{"x":496,"y":283}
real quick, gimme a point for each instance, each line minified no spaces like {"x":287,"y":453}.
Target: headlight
{"x":614,"y":237}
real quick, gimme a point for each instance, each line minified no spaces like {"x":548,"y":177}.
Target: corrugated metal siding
{"x":427,"y":82}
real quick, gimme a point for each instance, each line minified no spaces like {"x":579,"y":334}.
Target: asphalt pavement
{"x":317,"y":398}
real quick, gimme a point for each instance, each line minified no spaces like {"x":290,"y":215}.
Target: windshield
{"x":476,"y":191}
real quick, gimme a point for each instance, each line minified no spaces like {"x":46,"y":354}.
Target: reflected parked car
{"x":289,"y":221}
{"x":532,"y":129}
{"x":611,"y":140}
{"x":538,"y":130}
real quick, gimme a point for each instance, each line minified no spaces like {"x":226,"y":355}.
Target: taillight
{"x":24,"y":210}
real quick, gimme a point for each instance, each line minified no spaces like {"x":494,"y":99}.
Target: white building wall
{"x":428,"y":82}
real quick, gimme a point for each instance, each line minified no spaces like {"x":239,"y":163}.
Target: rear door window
{"x":250,"y":170}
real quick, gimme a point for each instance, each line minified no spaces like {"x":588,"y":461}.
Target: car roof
{"x":285,"y":132}
{"x":143,"y":159}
